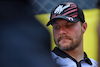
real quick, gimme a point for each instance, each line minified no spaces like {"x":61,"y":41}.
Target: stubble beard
{"x":72,"y":45}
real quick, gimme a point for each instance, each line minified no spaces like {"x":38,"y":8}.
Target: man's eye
{"x":56,"y":27}
{"x":68,"y":25}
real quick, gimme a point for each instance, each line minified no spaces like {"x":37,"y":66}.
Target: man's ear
{"x":84,"y":27}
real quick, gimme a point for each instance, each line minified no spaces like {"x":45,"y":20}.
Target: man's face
{"x":67,"y":35}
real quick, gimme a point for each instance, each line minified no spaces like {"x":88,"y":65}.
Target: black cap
{"x":68,"y":11}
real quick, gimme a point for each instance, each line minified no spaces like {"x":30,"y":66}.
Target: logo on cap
{"x":60,"y":8}
{"x":70,"y":18}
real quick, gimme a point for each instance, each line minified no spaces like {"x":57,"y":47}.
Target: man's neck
{"x":76,"y":53}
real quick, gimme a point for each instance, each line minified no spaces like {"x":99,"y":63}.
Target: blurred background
{"x":24,"y":42}
{"x":42,"y":9}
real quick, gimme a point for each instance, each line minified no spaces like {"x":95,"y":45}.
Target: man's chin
{"x":64,"y":45}
{"x":65,"y":48}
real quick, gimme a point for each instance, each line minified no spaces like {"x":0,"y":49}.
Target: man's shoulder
{"x":58,"y":58}
{"x":93,"y":61}
{"x":53,"y":55}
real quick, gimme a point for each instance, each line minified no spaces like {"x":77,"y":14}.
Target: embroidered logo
{"x":70,"y":18}
{"x":60,"y":8}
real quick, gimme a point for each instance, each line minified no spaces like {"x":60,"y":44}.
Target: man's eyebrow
{"x":67,"y":22}
{"x":54,"y":23}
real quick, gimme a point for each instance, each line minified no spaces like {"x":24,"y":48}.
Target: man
{"x":69,"y":25}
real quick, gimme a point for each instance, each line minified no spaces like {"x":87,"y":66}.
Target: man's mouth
{"x":63,"y":38}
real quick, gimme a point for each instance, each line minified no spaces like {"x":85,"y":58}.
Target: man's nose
{"x":62,"y":31}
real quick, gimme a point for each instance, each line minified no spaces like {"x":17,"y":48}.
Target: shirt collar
{"x":62,"y":54}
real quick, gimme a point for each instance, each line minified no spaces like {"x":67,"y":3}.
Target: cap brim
{"x":70,"y":19}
